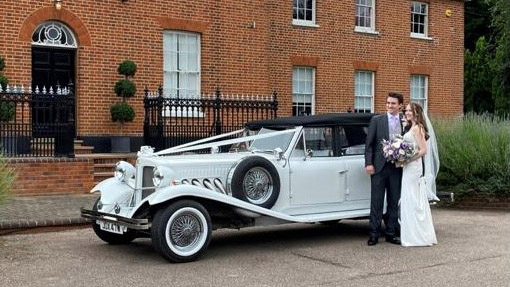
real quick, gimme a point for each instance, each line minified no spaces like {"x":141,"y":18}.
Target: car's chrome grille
{"x":148,"y":173}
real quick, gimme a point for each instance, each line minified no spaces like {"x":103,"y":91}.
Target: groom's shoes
{"x":393,"y":240}
{"x":372,"y":241}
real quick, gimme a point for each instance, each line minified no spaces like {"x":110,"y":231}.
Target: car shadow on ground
{"x":231,"y":242}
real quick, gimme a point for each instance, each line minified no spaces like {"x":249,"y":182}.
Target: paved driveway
{"x":473,"y":250}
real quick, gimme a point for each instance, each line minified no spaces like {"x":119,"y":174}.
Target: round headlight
{"x":162,"y":176}
{"x":124,"y":171}
{"x":158,"y":177}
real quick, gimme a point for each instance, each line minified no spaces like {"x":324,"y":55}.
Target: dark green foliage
{"x":2,"y":63}
{"x":127,"y":68}
{"x":125,"y":88}
{"x":487,"y":64}
{"x":3,"y":82}
{"x":122,"y":113}
{"x":7,"y":111}
{"x":478,"y":72}
{"x":478,"y":22}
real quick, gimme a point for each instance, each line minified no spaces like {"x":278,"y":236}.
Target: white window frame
{"x":364,"y":96}
{"x":371,"y":28}
{"x":167,"y":75}
{"x":296,"y":92}
{"x":425,"y":33}
{"x":308,"y":23}
{"x":422,"y":100}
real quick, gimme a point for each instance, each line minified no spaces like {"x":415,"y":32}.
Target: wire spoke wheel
{"x":258,"y":185}
{"x":181,"y":231}
{"x":185,"y":231}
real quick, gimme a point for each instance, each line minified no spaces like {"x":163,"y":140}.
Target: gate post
{"x":217,"y":114}
{"x":64,"y":139}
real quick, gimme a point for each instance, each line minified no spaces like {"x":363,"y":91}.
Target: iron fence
{"x":37,"y":123}
{"x":173,"y":121}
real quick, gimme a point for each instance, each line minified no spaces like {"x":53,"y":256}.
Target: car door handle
{"x":343,"y":171}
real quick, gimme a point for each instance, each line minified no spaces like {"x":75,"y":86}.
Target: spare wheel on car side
{"x":256,"y":180}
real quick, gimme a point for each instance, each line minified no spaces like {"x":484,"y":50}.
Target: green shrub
{"x":2,"y":63}
{"x":122,"y":113}
{"x":475,"y":154}
{"x":7,"y":111}
{"x":127,"y":68}
{"x":3,"y":82}
{"x":6,"y":179}
{"x":125,"y":88}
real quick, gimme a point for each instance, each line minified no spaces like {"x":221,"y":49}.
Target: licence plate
{"x":111,"y":227}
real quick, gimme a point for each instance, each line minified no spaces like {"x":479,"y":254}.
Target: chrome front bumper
{"x":131,"y":223}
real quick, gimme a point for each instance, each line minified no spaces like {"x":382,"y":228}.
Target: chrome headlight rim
{"x":124,"y":171}
{"x":162,"y":176}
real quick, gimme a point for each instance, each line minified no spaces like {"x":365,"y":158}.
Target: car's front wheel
{"x":182,"y":231}
{"x":112,"y":238}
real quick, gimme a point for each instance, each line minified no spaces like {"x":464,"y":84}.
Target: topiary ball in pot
{"x":122,"y":113}
{"x":2,"y":64}
{"x":125,"y":88}
{"x":3,"y":83}
{"x":127,"y":68}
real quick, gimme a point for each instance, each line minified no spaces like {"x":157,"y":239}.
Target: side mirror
{"x":278,"y":153}
{"x":309,"y":153}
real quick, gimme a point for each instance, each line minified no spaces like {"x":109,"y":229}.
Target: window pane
{"x":181,"y":64}
{"x":302,"y":90}
{"x":309,"y":4}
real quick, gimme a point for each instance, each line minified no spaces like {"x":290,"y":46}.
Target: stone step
{"x":104,"y":167}
{"x":80,"y":149}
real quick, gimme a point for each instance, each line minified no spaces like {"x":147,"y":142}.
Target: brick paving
{"x":43,"y":211}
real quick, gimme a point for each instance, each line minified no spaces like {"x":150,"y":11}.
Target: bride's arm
{"x":419,"y":135}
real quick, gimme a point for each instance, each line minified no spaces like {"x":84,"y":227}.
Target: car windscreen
{"x":270,"y":143}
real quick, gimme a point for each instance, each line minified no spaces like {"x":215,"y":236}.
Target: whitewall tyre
{"x":181,"y":232}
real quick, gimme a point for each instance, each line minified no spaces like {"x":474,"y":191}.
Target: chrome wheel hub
{"x":185,"y":231}
{"x":258,"y":185}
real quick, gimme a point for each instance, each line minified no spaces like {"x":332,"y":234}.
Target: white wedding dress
{"x":416,"y":226}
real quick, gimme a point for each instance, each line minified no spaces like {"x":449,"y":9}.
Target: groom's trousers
{"x":389,"y":181}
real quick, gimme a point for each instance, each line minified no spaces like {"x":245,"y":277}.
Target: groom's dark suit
{"x":387,"y":177}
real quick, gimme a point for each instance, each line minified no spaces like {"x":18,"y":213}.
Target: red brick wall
{"x":238,"y":58}
{"x":483,"y":202}
{"x":52,"y":176}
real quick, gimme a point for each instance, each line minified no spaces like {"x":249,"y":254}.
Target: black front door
{"x":51,"y":68}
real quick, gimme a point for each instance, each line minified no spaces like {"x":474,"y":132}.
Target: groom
{"x":385,"y":176}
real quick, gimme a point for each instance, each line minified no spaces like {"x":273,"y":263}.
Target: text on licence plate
{"x":111,"y":227}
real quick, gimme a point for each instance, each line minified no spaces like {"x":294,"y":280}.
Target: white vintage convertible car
{"x":298,"y":169}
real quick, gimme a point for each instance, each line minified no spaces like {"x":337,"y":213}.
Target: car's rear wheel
{"x":111,"y":238}
{"x":181,"y":232}
{"x":256,"y":181}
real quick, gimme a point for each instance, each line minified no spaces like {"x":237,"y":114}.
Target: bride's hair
{"x":419,"y":118}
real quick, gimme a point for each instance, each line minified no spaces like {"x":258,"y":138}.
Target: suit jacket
{"x":377,"y":131}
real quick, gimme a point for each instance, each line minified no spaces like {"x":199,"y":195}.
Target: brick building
{"x":320,"y":56}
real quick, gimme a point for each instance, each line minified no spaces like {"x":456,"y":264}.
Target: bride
{"x":418,"y":181}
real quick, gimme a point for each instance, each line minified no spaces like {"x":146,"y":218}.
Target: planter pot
{"x":121,"y":144}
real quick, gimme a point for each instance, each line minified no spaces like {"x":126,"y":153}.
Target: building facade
{"x":319,"y":56}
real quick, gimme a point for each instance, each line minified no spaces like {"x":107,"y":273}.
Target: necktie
{"x":394,"y":123}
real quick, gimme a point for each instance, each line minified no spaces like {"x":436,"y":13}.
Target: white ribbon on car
{"x":193,"y":145}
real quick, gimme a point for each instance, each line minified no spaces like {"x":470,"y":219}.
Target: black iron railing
{"x":173,"y":121}
{"x":38,"y":123}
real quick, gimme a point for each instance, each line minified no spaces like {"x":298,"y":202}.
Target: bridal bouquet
{"x":397,"y":150}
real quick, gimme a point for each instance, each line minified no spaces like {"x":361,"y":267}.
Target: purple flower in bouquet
{"x":397,"y":150}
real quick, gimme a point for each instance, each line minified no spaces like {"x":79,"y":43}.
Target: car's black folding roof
{"x":314,"y":121}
